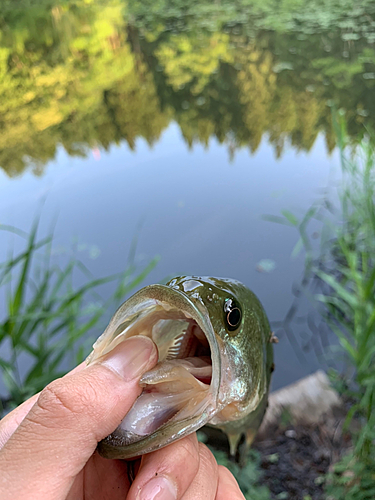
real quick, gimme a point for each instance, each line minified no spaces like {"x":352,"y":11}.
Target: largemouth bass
{"x":215,"y":363}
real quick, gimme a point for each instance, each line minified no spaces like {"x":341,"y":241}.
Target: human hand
{"x":47,"y":445}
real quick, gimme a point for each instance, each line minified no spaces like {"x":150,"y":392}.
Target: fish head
{"x":212,"y":337}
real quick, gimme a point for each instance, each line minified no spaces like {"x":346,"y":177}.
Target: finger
{"x":167,"y":472}
{"x":78,"y":368}
{"x":204,"y":485}
{"x":101,"y":479}
{"x":61,"y":431}
{"x":228,"y":486}
{"x":10,"y":422}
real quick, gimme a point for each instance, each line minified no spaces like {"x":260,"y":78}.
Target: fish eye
{"x":233,"y":314}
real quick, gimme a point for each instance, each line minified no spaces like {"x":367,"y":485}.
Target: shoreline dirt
{"x":295,"y":459}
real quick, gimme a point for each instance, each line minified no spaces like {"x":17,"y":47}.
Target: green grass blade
{"x":291,"y":218}
{"x":341,"y":291}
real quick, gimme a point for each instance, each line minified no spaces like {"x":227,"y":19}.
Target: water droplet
{"x":191,"y":285}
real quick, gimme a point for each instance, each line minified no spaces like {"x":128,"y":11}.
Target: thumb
{"x":62,"y":429}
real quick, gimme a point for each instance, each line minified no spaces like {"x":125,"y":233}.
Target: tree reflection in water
{"x":86,"y":75}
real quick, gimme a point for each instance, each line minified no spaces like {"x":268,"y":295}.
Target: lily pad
{"x":281,"y":66}
{"x":265,"y":266}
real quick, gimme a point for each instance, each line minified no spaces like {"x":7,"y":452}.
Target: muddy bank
{"x":295,"y":459}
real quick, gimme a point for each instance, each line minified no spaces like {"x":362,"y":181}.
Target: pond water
{"x":183,"y":124}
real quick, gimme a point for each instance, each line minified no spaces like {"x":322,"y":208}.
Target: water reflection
{"x":87,"y":75}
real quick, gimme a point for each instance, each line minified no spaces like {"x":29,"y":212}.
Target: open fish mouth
{"x":180,"y":394}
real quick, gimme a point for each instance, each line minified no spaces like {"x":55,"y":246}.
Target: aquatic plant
{"x":50,"y":320}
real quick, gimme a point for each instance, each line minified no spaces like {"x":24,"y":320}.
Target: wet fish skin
{"x":242,"y":359}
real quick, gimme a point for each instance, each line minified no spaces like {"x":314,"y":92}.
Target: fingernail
{"x":132,"y":358}
{"x":158,"y":488}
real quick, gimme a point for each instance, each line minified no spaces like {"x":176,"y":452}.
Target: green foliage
{"x":344,"y":264}
{"x":50,"y":322}
{"x":247,"y":477}
{"x":352,"y":479}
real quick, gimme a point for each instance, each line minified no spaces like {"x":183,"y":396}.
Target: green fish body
{"x":215,"y":363}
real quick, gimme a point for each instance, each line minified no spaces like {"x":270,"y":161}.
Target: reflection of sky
{"x":200,"y":213}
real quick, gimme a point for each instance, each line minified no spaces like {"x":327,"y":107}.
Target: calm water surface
{"x":185,"y":126}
